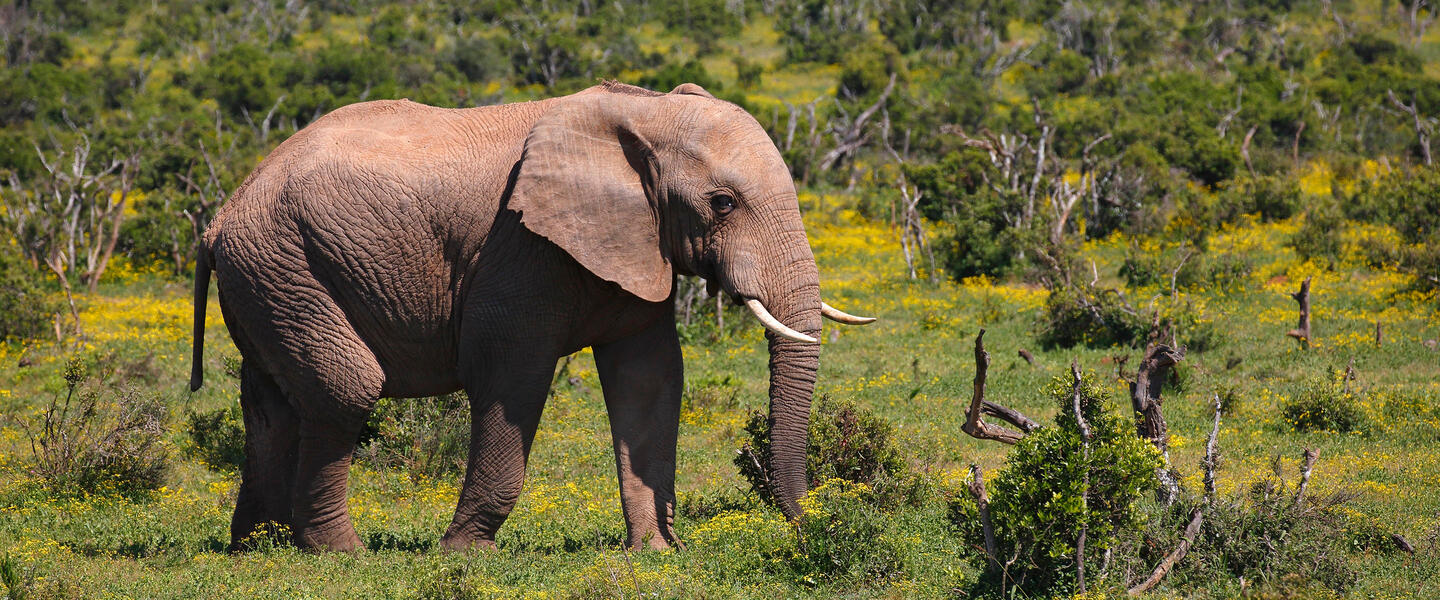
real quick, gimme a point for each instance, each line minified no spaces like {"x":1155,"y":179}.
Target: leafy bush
{"x":1074,"y":317}
{"x":99,"y":438}
{"x":1319,"y":237}
{"x":25,"y":308}
{"x":1039,"y":501}
{"x":1271,"y":198}
{"x":1324,"y":404}
{"x":1267,"y":538}
{"x":16,"y":584}
{"x":427,"y":437}
{"x":844,"y":535}
{"x":846,"y":442}
{"x":1144,"y":267}
{"x":1409,"y":202}
{"x":217,"y":437}
{"x":980,"y":241}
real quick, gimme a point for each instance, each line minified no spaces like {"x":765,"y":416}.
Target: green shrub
{"x":844,"y":535}
{"x":1073,"y":317}
{"x":1324,"y":404}
{"x":25,"y":309}
{"x":1409,"y":202}
{"x":1271,"y":198}
{"x":426,"y":437}
{"x":846,"y":442}
{"x":101,"y":438}
{"x":217,"y":437}
{"x":1039,"y":502}
{"x":1265,"y":537}
{"x":1319,"y":237}
{"x":17,"y":585}
{"x":748,"y":73}
{"x":1200,"y":269}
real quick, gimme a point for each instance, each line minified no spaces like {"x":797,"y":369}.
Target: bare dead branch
{"x":1009,"y":415}
{"x":1301,"y":333}
{"x":1212,"y":454}
{"x":1175,"y":273}
{"x":1146,"y":401}
{"x":1295,"y":147}
{"x":854,"y":136}
{"x":1245,"y":149}
{"x":975,"y":426}
{"x":1423,"y":127}
{"x":1161,"y":570}
{"x":1401,"y":543}
{"x":1145,"y":390}
{"x":982,"y":504}
{"x":1306,"y":466}
{"x":1085,"y":436}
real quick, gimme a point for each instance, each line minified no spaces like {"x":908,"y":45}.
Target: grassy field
{"x":913,"y":367}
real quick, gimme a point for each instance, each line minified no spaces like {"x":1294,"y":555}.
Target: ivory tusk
{"x":840,"y":316}
{"x":774,"y":325}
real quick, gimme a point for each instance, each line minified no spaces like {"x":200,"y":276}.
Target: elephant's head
{"x":638,"y":186}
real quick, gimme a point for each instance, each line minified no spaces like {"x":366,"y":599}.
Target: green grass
{"x":913,"y":367}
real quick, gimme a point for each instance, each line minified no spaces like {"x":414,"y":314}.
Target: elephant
{"x":394,"y":249}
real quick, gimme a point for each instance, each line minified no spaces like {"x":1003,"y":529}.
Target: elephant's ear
{"x":587,"y":183}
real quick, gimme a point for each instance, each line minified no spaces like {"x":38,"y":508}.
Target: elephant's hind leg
{"x":330,"y":380}
{"x":333,"y":392}
{"x":271,"y":450}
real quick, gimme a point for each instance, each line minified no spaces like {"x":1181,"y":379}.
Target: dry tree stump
{"x":1145,"y":399}
{"x":975,"y":424}
{"x":1301,"y":332}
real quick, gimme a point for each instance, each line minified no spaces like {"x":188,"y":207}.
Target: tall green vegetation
{"x":1065,"y":487}
{"x":1020,"y":125}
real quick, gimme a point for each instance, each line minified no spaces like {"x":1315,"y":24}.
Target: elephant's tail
{"x":202,"y":297}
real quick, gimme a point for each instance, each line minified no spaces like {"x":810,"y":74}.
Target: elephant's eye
{"x":722,"y":204}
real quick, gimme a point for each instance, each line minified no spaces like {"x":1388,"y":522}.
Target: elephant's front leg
{"x":505,"y":409}
{"x":643,"y":376}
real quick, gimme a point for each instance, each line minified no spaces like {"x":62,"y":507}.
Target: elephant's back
{"x":382,"y":204}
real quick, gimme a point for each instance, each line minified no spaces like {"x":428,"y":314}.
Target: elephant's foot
{"x":461,"y":544}
{"x":655,"y":540}
{"x":337,"y":536}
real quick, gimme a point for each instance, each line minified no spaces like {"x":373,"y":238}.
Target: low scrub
{"x":1268,"y":537}
{"x":1325,"y":404}
{"x":426,"y":437}
{"x":847,"y":442}
{"x":217,"y":437}
{"x":26,"y":309}
{"x":845,"y":535}
{"x":99,"y":437}
{"x":1096,"y":320}
{"x":1051,"y":489}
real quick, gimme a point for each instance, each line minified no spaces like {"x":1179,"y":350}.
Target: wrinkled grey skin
{"x":392,"y":249}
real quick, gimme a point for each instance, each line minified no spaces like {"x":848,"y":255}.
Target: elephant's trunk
{"x":795,"y":301}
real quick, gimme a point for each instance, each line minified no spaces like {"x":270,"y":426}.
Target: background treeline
{"x":1023,"y":127}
